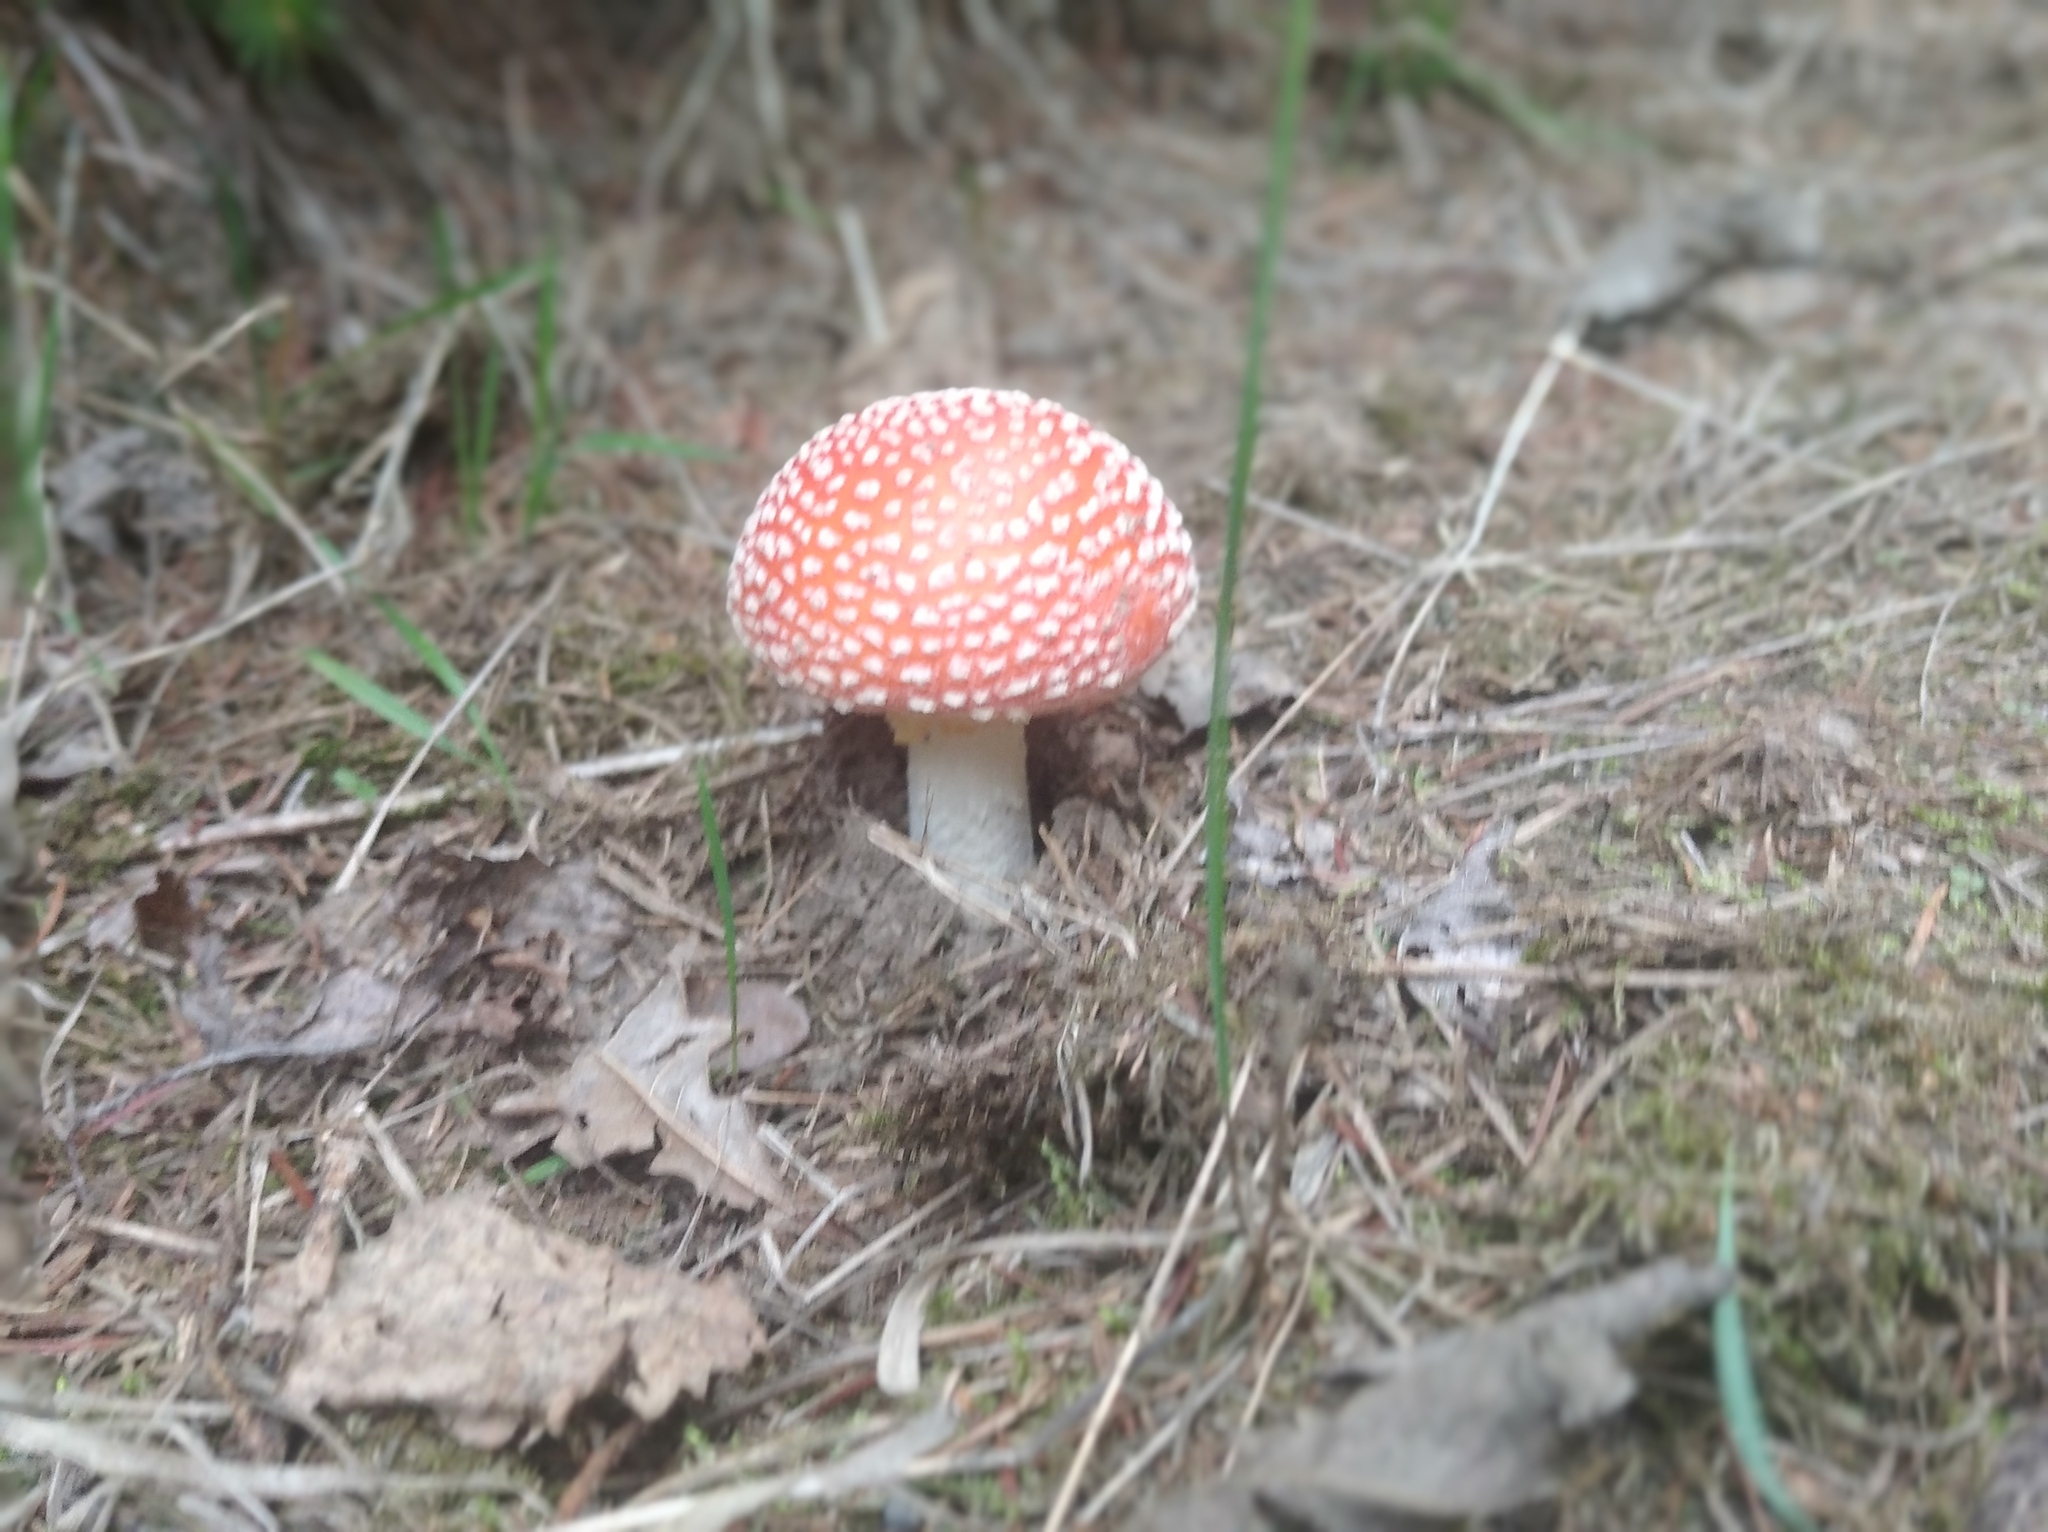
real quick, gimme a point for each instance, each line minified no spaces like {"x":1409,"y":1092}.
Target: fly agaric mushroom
{"x":962,"y":561}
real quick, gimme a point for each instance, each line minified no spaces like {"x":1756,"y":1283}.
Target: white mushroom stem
{"x":969,"y":802}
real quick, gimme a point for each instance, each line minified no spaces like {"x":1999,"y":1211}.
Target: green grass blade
{"x":636,"y":444}
{"x":22,"y":419}
{"x":1286,"y":132}
{"x":440,"y":308}
{"x":364,"y":692}
{"x":721,"y":879}
{"x":452,"y":680}
{"x":540,"y":1172}
{"x":1741,"y":1409}
{"x":355,"y":784}
{"x":483,"y":431}
{"x":547,"y":444}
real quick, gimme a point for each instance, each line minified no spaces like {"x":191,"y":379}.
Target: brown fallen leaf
{"x":1664,"y":257}
{"x":1470,"y":1424}
{"x":454,"y":944}
{"x":1183,"y":677}
{"x":1455,"y":925}
{"x":464,"y":1310}
{"x":650,"y":1086}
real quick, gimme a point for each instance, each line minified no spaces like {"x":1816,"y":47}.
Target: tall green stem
{"x":1301,"y":15}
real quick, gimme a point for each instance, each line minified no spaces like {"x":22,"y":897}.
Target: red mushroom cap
{"x":967,"y":551}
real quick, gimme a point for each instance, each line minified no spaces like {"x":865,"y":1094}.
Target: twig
{"x":1566,"y":1126}
{"x":1163,"y":1438}
{"x":1877,"y":484}
{"x":84,"y":669}
{"x":860,"y":265}
{"x":1280,"y":510}
{"x":1148,"y":1313}
{"x":1670,"y":740}
{"x":385,"y":805}
{"x":257,"y":487}
{"x":1692,"y":409}
{"x":690,"y":108}
{"x":829,"y":1284}
{"x":222,"y":338}
{"x":1267,"y":1362}
{"x":103,"y":1454}
{"x":1934,"y":642}
{"x":386,"y":527}
{"x":115,"y":1107}
{"x":663,"y":756}
{"x":1563,"y":346}
{"x":297,"y":822}
{"x":1360,"y":644}
{"x":1923,"y":928}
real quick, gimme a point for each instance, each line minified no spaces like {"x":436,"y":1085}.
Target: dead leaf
{"x":1182,"y":677}
{"x":462,"y":1309}
{"x":458,"y":944}
{"x":1667,"y":255}
{"x":665,"y":1056}
{"x":133,"y":483}
{"x":649,"y":1087}
{"x":601,"y":1114}
{"x":1460,"y":923}
{"x":1467,"y":1425}
{"x":354,"y":1009}
{"x":164,"y":917}
{"x":897,"y":1366}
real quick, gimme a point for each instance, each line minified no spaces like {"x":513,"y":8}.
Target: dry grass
{"x":1750,"y":651}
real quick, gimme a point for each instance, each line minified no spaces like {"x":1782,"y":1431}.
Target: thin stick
{"x":1563,"y":346}
{"x":1934,"y":642}
{"x":1269,"y":1361}
{"x":690,"y":108}
{"x":222,"y":338}
{"x":387,"y":499}
{"x":860,"y":265}
{"x":297,"y":822}
{"x":1567,"y":1124}
{"x":455,"y":711}
{"x":1361,"y":643}
{"x":1877,"y":484}
{"x":1692,"y":409}
{"x":256,"y":486}
{"x":1280,"y":510}
{"x":664,"y":756}
{"x":1148,"y":1314}
{"x":1163,"y":1438}
{"x":248,"y":614}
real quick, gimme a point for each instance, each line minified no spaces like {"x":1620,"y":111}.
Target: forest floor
{"x":1729,"y":719}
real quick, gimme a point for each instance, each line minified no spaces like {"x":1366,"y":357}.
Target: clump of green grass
{"x":400,"y":714}
{"x":472,"y":403}
{"x":546,"y":450}
{"x":269,"y":37}
{"x":1415,"y":53}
